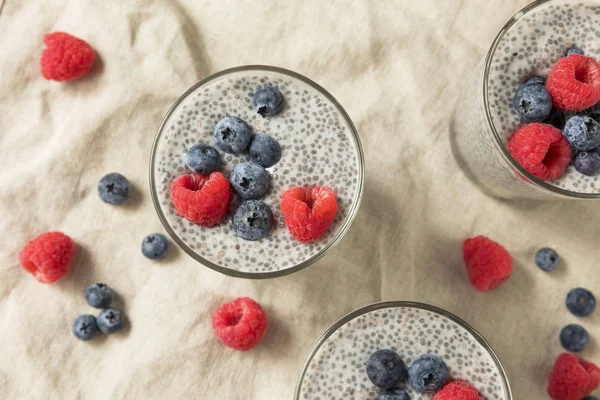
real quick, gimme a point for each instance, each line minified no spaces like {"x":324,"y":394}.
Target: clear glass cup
{"x":480,"y":149}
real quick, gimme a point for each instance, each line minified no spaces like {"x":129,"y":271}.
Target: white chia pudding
{"x":319,"y":148}
{"x":338,"y":368}
{"x":531,"y":47}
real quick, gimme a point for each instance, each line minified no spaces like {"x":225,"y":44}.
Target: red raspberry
{"x":201,"y":199}
{"x":308,"y":212}
{"x":572,"y":378}
{"x":48,"y":257}
{"x":541,"y":149}
{"x":240,"y":324}
{"x":457,"y":390}
{"x":488,"y":263}
{"x":574,"y":83}
{"x":66,"y":57}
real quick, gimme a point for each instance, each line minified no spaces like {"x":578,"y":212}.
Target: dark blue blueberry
{"x":582,"y":132}
{"x":393,"y":394}
{"x":547,"y":259}
{"x":556,"y":119}
{"x":99,"y":295}
{"x":587,"y":162}
{"x":594,"y":112}
{"x":252,"y":220}
{"x":532,"y":103}
{"x":85,"y":327}
{"x":574,"y":338}
{"x":232,"y":135}
{"x":203,"y":159}
{"x":265,"y":150}
{"x":249,"y":180}
{"x":536,"y":80}
{"x":155,"y":246}
{"x":386,"y":369}
{"x":427,"y":374}
{"x":590,"y":398}
{"x":268,"y":101}
{"x":581,"y":302}
{"x":113,"y":188}
{"x":573,"y":50}
{"x":110,"y":320}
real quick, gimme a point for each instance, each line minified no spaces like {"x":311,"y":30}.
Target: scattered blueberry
{"x":573,"y":50}
{"x":594,"y":112}
{"x":536,"y":80}
{"x":393,"y":394}
{"x":265,"y":151}
{"x":85,"y":327}
{"x":532,"y":103}
{"x":587,"y":162}
{"x":386,"y":369}
{"x":427,"y":374}
{"x":556,"y":119}
{"x":547,"y":259}
{"x":113,"y":189}
{"x":252,"y":220}
{"x":581,"y":302}
{"x":203,"y":159}
{"x":110,"y":320}
{"x":268,"y":101}
{"x":232,"y":135}
{"x":574,"y":338}
{"x":582,"y":132}
{"x":249,"y":180}
{"x":99,"y":295}
{"x":155,"y":246}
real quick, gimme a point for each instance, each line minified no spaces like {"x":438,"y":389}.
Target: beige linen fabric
{"x":396,"y":66}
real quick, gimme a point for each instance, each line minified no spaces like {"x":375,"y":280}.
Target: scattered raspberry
{"x":488,"y":263}
{"x":66,"y":57}
{"x":572,"y":378}
{"x":574,"y":83}
{"x":201,"y":199}
{"x":541,"y":149}
{"x":457,"y":390}
{"x":48,"y":257}
{"x":240,"y":324}
{"x":308,"y":212}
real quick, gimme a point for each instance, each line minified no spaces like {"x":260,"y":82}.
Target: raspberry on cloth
{"x":574,"y":83}
{"x":240,"y":324}
{"x":66,"y":57}
{"x":572,"y":378}
{"x":48,"y":257}
{"x":488,"y":263}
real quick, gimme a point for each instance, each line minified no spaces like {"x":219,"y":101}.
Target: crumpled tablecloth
{"x":396,"y":66}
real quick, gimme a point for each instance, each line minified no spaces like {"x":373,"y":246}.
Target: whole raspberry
{"x":488,"y":263}
{"x":201,"y":199}
{"x":66,"y":57}
{"x":308,"y":212}
{"x":572,"y":378}
{"x":240,"y":324}
{"x":48,"y":257}
{"x":457,"y":390}
{"x":574,"y":83}
{"x":541,"y":149}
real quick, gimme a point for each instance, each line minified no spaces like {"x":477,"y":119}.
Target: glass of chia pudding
{"x":336,"y":365}
{"x":530,"y":44}
{"x":319,"y":147}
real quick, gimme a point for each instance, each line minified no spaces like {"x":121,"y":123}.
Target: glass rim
{"x":397,"y":304}
{"x":329,"y":246}
{"x":504,"y":151}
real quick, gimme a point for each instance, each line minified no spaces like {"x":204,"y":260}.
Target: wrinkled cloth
{"x":396,"y":66}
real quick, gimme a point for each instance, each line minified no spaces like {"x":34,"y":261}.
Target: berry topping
{"x":110,"y":320}
{"x":532,"y":102}
{"x":386,"y":369}
{"x":268,"y":101}
{"x":581,"y":302}
{"x":232,"y":135}
{"x":48,"y":257}
{"x":113,"y":189}
{"x":85,"y":327}
{"x":572,"y":378}
{"x":240,"y":324}
{"x":99,"y":295}
{"x":587,"y":162}
{"x":155,"y":246}
{"x":582,"y":132}
{"x":547,"y":259}
{"x":574,"y":83}
{"x":488,"y":263}
{"x":252,"y":220}
{"x":536,"y":80}
{"x":594,"y":112}
{"x":393,"y":394}
{"x":66,"y":57}
{"x":203,"y":159}
{"x":574,"y":338}
{"x":573,"y":50}
{"x":249,"y":180}
{"x":308,"y":212}
{"x":265,"y":151}
{"x":427,"y":374}
{"x":457,"y":390}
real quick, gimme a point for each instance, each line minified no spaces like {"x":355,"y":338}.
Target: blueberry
{"x":556,"y":119}
{"x":155,"y":246}
{"x":252,"y":220}
{"x":587,"y":162}
{"x":113,"y":188}
{"x":573,"y":50}
{"x":232,"y":135}
{"x":581,"y":302}
{"x":532,"y":103}
{"x":110,"y":320}
{"x":427,"y":374}
{"x":85,"y":327}
{"x":99,"y":295}
{"x":536,"y":80}
{"x":393,"y":394}
{"x":594,"y":112}
{"x":386,"y":369}
{"x":265,"y":151}
{"x":590,"y":398}
{"x":268,"y":101}
{"x":203,"y":159}
{"x":582,"y":132}
{"x":574,"y":338}
{"x":547,"y":259}
{"x":249,"y":180}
